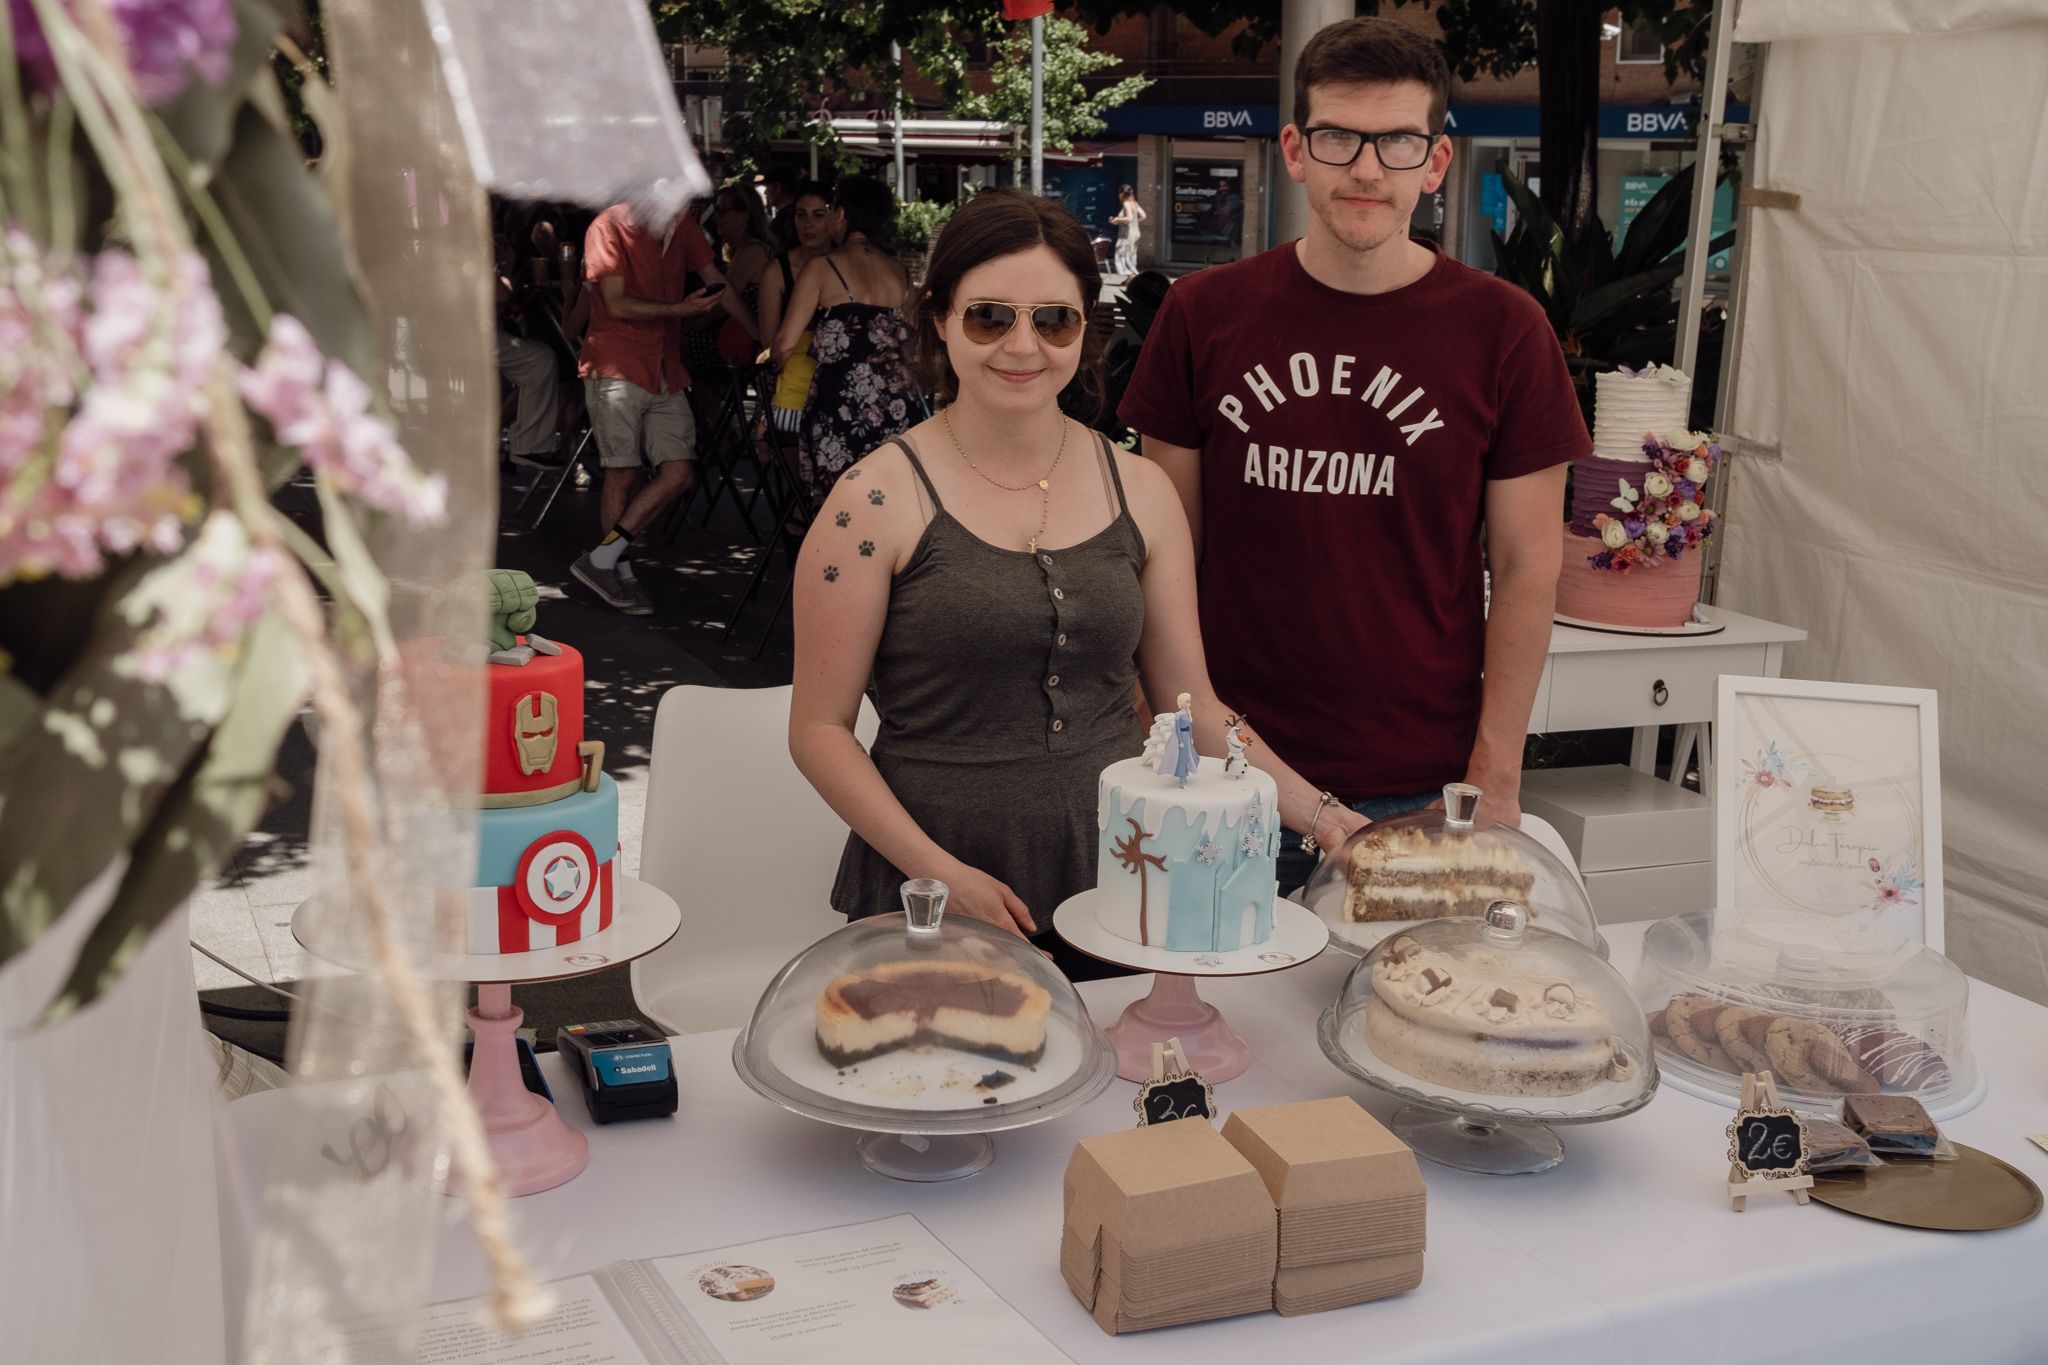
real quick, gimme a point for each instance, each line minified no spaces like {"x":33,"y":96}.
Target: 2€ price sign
{"x":1182,"y":1096}
{"x":1771,"y":1143}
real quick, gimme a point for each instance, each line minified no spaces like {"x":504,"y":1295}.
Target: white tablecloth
{"x":1628,"y":1252}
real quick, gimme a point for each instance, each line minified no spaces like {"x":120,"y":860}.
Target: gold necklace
{"x":1044,"y":484}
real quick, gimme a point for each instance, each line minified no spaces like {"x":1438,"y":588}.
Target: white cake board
{"x":1709,"y":627}
{"x":1298,"y":935}
{"x":644,"y":919}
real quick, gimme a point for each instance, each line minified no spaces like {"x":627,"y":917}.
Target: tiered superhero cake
{"x":548,"y":833}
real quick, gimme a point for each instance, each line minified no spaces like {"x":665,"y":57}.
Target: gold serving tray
{"x":1974,"y":1193}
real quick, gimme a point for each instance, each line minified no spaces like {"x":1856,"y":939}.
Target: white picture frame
{"x":1827,"y":799}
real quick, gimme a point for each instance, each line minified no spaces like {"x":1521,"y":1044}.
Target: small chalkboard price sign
{"x":1766,"y":1145}
{"x":1175,"y":1090}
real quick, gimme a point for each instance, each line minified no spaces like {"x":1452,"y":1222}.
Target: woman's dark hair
{"x":869,"y":207}
{"x":1124,"y":192}
{"x":811,"y":189}
{"x":996,"y":223}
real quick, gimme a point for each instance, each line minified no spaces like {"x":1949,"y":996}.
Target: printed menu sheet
{"x":880,"y":1293}
{"x":866,"y":1294}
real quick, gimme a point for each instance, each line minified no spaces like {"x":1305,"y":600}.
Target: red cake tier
{"x":533,"y":724}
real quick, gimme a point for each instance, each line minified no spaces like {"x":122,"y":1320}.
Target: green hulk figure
{"x":514,"y":604}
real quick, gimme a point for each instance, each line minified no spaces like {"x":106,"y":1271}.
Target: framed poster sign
{"x":1829,"y":801}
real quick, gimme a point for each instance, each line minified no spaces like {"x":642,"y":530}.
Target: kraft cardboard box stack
{"x":1350,"y":1202}
{"x":1167,"y":1224}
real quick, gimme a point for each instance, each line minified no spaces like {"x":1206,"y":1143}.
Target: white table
{"x":1595,"y":680}
{"x":1627,"y":1253}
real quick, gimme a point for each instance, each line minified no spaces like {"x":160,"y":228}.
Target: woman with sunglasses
{"x":1004,"y":578}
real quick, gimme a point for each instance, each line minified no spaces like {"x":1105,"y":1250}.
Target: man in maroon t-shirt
{"x":1359,"y":425}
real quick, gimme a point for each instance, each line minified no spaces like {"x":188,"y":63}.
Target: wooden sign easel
{"x":1765,"y":1125}
{"x":1176,"y":1090}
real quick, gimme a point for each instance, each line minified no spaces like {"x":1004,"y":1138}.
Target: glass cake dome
{"x":1492,"y":1028}
{"x":1430,"y":864}
{"x":1828,"y":1007}
{"x":922,"y":1026}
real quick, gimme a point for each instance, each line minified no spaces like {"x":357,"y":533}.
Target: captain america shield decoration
{"x":557,"y":877}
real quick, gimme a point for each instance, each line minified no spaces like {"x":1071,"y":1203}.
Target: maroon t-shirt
{"x":1346,"y":442}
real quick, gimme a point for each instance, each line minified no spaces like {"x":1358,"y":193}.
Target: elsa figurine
{"x":1177,"y":757}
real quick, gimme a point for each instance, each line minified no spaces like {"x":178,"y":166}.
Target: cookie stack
{"x":1803,"y":1054}
{"x":1166,"y":1224}
{"x":1350,"y":1202}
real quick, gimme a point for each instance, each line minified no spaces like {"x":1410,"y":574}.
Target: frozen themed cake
{"x":1186,"y":846}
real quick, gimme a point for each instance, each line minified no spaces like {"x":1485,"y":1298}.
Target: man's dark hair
{"x":783,"y":176}
{"x":1371,"y":52}
{"x":996,"y":223}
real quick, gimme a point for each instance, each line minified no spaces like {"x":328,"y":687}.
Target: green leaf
{"x":287,"y":227}
{"x":203,"y":118}
{"x":1598,"y":306}
{"x":78,"y":786}
{"x":213,"y":804}
{"x":1660,"y":228}
{"x":369,"y":595}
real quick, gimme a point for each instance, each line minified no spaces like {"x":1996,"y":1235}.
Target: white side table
{"x":1593,"y":680}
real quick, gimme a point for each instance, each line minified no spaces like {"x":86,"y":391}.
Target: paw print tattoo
{"x":875,"y":496}
{"x":831,"y":573}
{"x":867,"y":548}
{"x":842,"y":519}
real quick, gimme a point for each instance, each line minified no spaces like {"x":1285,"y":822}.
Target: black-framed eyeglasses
{"x":1400,"y":150}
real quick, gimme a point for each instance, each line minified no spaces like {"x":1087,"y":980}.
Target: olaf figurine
{"x":1237,"y":759}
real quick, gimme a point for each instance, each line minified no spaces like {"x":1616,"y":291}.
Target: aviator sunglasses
{"x":986,"y":321}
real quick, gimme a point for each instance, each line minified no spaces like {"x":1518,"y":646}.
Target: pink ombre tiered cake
{"x":1638,"y":506}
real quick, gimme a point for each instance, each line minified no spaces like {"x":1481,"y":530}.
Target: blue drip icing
{"x":1217,"y":906}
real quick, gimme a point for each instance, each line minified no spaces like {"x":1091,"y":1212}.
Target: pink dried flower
{"x":321,"y":407}
{"x":165,"y":41}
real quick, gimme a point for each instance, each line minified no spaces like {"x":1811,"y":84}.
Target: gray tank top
{"x":1006,"y":681}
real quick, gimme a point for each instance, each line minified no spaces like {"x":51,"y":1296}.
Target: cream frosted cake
{"x":1187,"y":868}
{"x":1481,"y":1024}
{"x":1410,"y":874}
{"x":1638,"y":507}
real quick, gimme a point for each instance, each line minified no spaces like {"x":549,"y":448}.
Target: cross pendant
{"x":1031,"y":545}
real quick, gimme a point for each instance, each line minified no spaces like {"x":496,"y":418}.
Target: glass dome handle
{"x":1506,"y":921}
{"x":1461,"y":805}
{"x":924,"y":905}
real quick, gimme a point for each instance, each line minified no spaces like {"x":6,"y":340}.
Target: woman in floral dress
{"x":851,"y":300}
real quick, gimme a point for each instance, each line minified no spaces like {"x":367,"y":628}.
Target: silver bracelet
{"x":1309,"y":843}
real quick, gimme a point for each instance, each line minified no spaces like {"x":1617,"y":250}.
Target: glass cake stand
{"x":1173,"y":1009}
{"x":535,"y":1148}
{"x":1494,"y":1134}
{"x":925,"y":1113}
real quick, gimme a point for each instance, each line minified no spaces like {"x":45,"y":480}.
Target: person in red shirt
{"x":634,"y":382}
{"x":1359,"y":427}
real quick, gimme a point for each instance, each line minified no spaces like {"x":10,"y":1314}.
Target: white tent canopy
{"x":1889,"y":493}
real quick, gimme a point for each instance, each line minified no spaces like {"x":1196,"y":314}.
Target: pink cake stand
{"x":535,"y":1148}
{"x":1174,"y":1009}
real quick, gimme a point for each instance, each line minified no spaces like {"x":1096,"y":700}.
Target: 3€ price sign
{"x":1769,"y":1144}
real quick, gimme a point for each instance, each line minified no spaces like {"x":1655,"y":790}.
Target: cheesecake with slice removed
{"x":980,"y":1009}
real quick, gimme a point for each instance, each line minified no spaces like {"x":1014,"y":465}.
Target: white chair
{"x":1545,"y":833}
{"x":745,"y":846}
